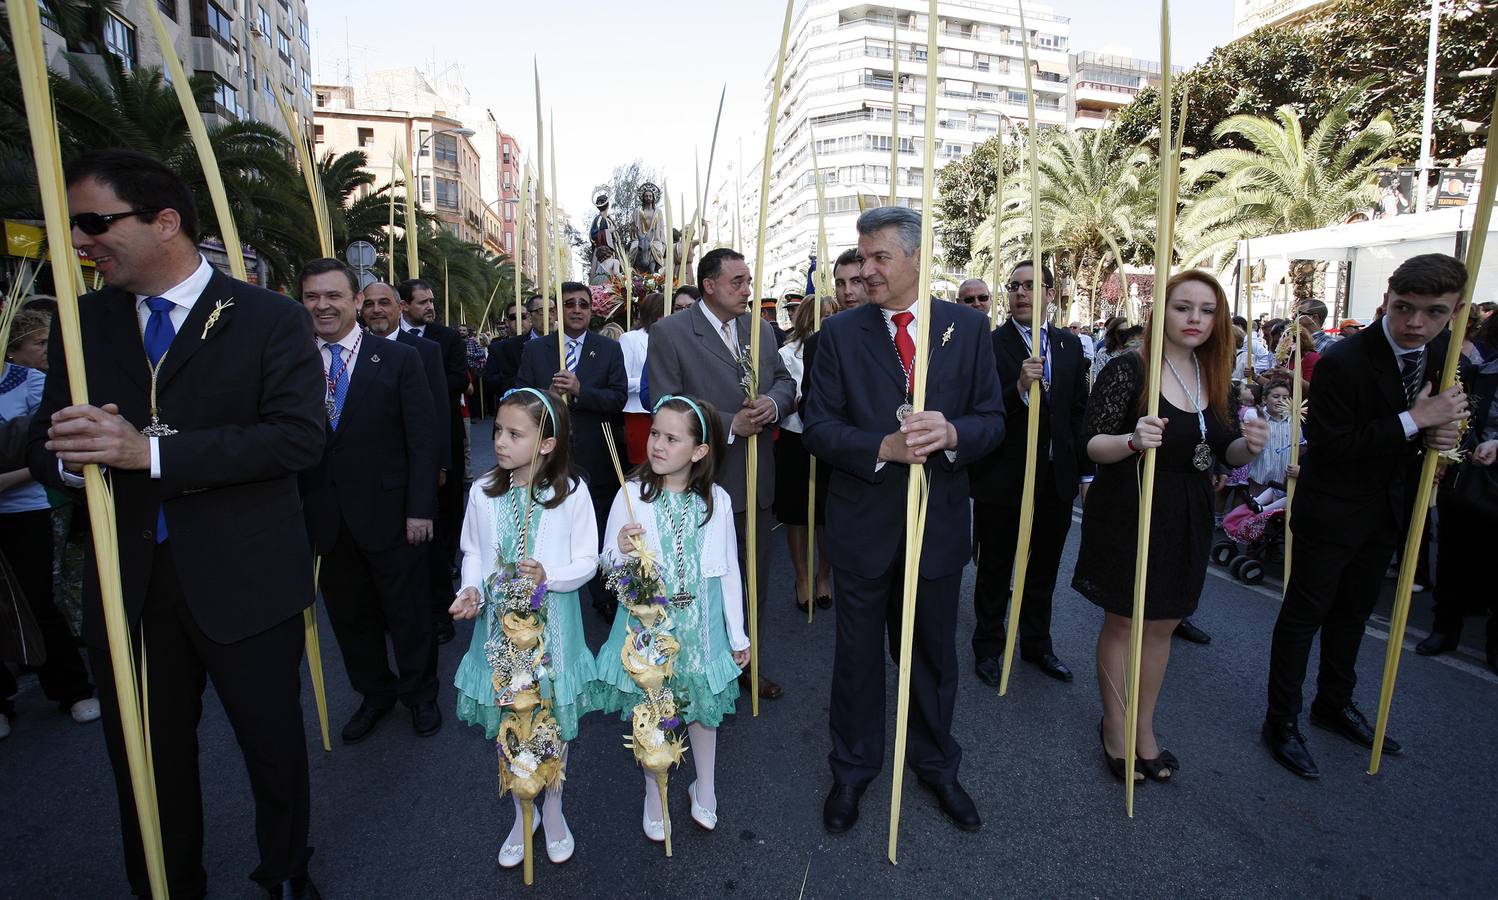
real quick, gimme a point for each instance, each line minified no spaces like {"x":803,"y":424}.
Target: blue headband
{"x":540,"y":394}
{"x":701,"y":419}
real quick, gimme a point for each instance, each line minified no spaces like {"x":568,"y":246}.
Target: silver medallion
{"x":681,"y":600}
{"x":157,"y":429}
{"x":1202,"y":457}
{"x":903,"y":412}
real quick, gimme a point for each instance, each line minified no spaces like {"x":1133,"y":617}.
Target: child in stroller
{"x":1256,"y":535}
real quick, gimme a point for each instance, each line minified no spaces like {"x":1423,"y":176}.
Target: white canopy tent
{"x":1372,"y":250}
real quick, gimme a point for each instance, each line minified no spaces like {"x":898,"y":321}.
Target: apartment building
{"x":1103,"y":83}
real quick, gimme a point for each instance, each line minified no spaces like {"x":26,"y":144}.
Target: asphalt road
{"x":402,"y":816}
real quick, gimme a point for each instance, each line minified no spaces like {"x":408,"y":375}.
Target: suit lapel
{"x":366,"y":372}
{"x":1381,"y":359}
{"x":711,"y":337}
{"x":883,"y":355}
{"x":123,"y":336}
{"x":217,"y":296}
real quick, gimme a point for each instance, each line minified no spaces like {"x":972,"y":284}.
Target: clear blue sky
{"x":641,"y":79}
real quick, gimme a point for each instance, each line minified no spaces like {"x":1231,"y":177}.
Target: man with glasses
{"x":504,"y":357}
{"x":998,"y":478}
{"x":214,"y":561}
{"x":591,"y":377}
{"x":974,"y":292}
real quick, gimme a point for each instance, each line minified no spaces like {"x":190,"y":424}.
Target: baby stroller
{"x":1256,"y":532}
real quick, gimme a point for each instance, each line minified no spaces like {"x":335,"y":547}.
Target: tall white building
{"x":839,"y":82}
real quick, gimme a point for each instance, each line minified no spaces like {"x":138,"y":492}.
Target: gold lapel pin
{"x":218,"y":309}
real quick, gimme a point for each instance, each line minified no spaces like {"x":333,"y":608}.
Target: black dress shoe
{"x":989,"y":670}
{"x":840,"y":812}
{"x":363,"y":722}
{"x":1288,"y":747}
{"x":1050,"y":664}
{"x":443,"y":630}
{"x":425,"y":718}
{"x":294,"y":889}
{"x":1436,"y":644}
{"x":1350,"y":722}
{"x":956,"y":805}
{"x":768,"y":690}
{"x":1188,"y":631}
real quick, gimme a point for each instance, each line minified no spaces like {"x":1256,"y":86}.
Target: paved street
{"x":401,"y":816}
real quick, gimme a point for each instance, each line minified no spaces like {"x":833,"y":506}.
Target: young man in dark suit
{"x":859,"y":422}
{"x":997,"y":479}
{"x":214,"y":562}
{"x":369,"y":505}
{"x":591,"y":376}
{"x":419,"y":317}
{"x":1374,"y":411}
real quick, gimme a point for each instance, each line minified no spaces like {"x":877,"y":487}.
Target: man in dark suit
{"x":503,"y":364}
{"x":214,"y":563}
{"x":696,"y":352}
{"x":997,"y":479}
{"x":857,"y":421}
{"x":847,"y":288}
{"x":369,"y":505}
{"x":591,"y":376}
{"x":419,"y":316}
{"x":1373,"y":412}
{"x":380,"y":310}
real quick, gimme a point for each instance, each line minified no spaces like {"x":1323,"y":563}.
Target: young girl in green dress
{"x":533,"y":512}
{"x":686,"y":521}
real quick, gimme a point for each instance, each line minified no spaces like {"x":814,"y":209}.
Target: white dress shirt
{"x":635,"y":345}
{"x":350,"y":346}
{"x":183,"y":296}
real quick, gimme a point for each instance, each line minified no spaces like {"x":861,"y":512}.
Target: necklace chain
{"x":1196,"y":401}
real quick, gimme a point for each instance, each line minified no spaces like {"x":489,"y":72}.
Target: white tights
{"x":551,"y":812}
{"x":704,"y":745}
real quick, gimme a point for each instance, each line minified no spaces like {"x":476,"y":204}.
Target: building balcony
{"x":1099,"y":95}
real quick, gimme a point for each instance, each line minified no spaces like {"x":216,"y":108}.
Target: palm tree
{"x":1287,"y":182}
{"x":1096,"y":199}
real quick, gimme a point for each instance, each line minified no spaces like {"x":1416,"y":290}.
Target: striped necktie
{"x":574,"y":349}
{"x":1409,"y":373}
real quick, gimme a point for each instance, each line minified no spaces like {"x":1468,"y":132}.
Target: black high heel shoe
{"x":1115,"y":765}
{"x":1161,"y":768}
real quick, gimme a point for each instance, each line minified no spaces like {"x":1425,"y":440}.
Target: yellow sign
{"x":27,"y":241}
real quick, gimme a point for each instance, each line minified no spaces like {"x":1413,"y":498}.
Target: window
{"x":285,"y":6}
{"x":426,"y":189}
{"x":366,"y":137}
{"x":303,"y":34}
{"x":214,"y":23}
{"x":119,"y":39}
{"x":307,"y":84}
{"x":283,"y":45}
{"x":445,"y":149}
{"x":168,"y":8}
{"x":224,"y":101}
{"x":423,"y":142}
{"x":447,"y":193}
{"x":263,"y":23}
{"x":317,"y":134}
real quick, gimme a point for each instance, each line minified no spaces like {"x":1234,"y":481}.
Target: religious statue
{"x":647,"y":253}
{"x":601,"y":232}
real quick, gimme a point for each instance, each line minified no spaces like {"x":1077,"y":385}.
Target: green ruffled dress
{"x":705,"y":675}
{"x":571,"y":669}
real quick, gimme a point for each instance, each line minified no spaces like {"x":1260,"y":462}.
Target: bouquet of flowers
{"x":606,"y":301}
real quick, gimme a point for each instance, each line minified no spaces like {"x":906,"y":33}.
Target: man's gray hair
{"x":905,"y":221}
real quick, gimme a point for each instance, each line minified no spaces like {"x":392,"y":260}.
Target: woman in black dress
{"x":1192,"y":430}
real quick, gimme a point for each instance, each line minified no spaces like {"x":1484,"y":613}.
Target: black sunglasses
{"x":576,"y":303}
{"x":974,"y":298}
{"x":95,"y":224}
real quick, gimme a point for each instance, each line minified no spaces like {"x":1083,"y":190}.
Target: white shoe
{"x":701,"y":814}
{"x":85,"y":711}
{"x":655,"y":829}
{"x":561,"y":851}
{"x":4,"y":727}
{"x":512,"y":855}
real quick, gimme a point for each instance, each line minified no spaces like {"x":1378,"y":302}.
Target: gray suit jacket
{"x":688,"y":356}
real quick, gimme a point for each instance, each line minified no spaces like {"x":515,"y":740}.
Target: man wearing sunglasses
{"x":998,"y":478}
{"x":210,"y":400}
{"x":504,"y":357}
{"x":974,"y":292}
{"x":590,"y":374}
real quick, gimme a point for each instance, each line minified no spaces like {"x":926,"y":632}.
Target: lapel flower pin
{"x":218,"y":309}
{"x":947,"y":335}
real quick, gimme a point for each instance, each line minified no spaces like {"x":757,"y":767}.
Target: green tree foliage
{"x":1312,"y":65}
{"x":964,"y":195}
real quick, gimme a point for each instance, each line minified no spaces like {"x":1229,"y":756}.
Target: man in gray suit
{"x":696,"y":351}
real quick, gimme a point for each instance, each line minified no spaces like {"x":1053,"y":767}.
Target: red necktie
{"x":905,"y":345}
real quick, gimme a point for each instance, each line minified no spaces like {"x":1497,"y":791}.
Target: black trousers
{"x":258,"y":680}
{"x":1333,"y":588}
{"x":443,"y":550}
{"x":27,"y":539}
{"x":372,"y":594}
{"x":1462,"y":584}
{"x":867,"y":610}
{"x":995,"y":537}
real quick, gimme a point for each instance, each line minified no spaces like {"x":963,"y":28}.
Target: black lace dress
{"x":1181,"y":526}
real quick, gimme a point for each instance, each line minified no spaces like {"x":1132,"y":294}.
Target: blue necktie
{"x":574,"y":347}
{"x":158,"y":339}
{"x":338,"y":377}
